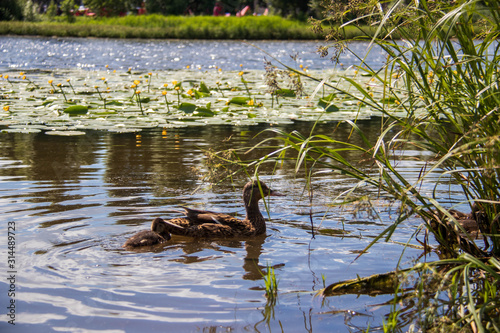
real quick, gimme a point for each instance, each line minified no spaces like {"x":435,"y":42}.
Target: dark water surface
{"x":74,"y":202}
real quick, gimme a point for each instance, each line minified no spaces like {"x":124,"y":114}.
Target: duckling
{"x":205,"y":224}
{"x":158,"y":234}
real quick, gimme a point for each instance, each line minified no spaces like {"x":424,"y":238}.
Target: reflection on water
{"x":76,"y":200}
{"x":91,"y":53}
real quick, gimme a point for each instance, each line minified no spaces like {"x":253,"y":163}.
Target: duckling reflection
{"x":157,"y":235}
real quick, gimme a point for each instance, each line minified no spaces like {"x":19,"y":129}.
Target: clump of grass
{"x":270,"y":284}
{"x":439,"y":94}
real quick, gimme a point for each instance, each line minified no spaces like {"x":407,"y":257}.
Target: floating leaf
{"x":187,"y":107}
{"x":388,"y":100}
{"x":285,"y":93}
{"x":76,"y":110}
{"x":204,"y":88}
{"x":65,"y":133}
{"x":199,"y":94}
{"x":116,"y":103}
{"x":21,"y":130}
{"x":204,"y":112}
{"x":326,"y":103}
{"x":239,"y":100}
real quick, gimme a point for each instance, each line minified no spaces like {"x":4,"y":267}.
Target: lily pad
{"x":239,"y":100}
{"x":75,"y":110}
{"x":65,"y":133}
{"x":187,"y":107}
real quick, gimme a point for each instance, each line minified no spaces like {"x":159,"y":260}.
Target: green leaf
{"x":388,"y":100}
{"x":285,"y":93}
{"x":77,"y":110}
{"x":239,"y":100}
{"x":200,"y":94}
{"x":204,"y":112}
{"x":204,"y":88}
{"x":114,"y":103}
{"x":327,"y":105}
{"x":187,"y":107}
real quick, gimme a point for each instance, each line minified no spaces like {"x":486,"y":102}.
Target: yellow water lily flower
{"x":174,"y":82}
{"x":136,"y":82}
{"x":50,"y":81}
{"x":6,"y":108}
{"x":164,"y":92}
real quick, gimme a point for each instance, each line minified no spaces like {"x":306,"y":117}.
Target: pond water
{"x":148,"y":55}
{"x":75,"y":200}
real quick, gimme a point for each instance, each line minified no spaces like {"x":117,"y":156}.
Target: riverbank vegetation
{"x":439,"y":95}
{"x":158,"y":26}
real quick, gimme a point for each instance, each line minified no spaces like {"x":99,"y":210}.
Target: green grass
{"x":158,"y":26}
{"x":179,"y":27}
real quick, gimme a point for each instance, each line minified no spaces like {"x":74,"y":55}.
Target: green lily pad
{"x":187,"y":107}
{"x":285,"y":93}
{"x":204,"y":112}
{"x":327,"y":105}
{"x":76,"y":110}
{"x":239,"y":100}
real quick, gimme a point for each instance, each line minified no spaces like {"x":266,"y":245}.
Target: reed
{"x":440,"y":94}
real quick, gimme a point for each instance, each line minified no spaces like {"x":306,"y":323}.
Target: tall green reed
{"x":438,"y":91}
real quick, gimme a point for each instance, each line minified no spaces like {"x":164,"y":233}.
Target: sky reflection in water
{"x":76,"y":200}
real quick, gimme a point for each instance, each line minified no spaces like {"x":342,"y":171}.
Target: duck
{"x":466,"y":221}
{"x":157,"y":235}
{"x":207,"y":224}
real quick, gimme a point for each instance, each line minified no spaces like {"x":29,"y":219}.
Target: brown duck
{"x":158,"y":234}
{"x":205,"y":224}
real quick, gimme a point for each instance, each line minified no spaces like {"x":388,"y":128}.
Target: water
{"x":148,"y":55}
{"x":74,"y":201}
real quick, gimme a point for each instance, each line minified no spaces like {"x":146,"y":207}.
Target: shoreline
{"x":177,"y":27}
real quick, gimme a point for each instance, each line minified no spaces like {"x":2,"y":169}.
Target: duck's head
{"x":160,"y":227}
{"x":252,"y":191}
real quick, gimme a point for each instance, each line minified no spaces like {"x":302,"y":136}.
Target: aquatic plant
{"x":158,"y":26}
{"x":438,"y":92}
{"x":270,"y":284}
